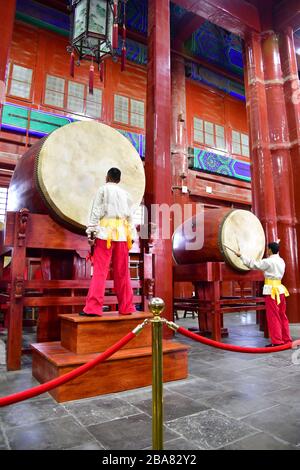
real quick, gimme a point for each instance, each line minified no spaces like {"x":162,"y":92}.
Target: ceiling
{"x":201,"y":38}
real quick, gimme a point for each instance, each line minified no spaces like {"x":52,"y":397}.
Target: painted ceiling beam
{"x":61,"y":5}
{"x":178,"y":48}
{"x":236,"y":16}
{"x":287,"y":14}
{"x":188,"y":24}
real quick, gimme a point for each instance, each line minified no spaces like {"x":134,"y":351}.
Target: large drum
{"x":223,"y":230}
{"x":60,"y":174}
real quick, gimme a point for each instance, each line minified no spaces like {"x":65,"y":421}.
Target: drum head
{"x":242,"y":231}
{"x":73,"y":163}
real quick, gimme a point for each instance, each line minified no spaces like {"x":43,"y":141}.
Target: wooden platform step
{"x":125,"y":370}
{"x":84,"y":335}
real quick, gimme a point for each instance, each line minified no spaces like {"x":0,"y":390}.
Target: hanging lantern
{"x":94,"y":29}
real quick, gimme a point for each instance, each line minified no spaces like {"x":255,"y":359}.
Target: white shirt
{"x":110,"y":202}
{"x":273,"y":268}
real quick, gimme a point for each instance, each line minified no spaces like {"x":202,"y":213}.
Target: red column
{"x":158,"y":131}
{"x":6,"y":31}
{"x":179,"y":135}
{"x":292,"y":102}
{"x":282,"y":168}
{"x":261,"y":168}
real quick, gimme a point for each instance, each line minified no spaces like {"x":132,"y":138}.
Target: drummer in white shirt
{"x":110,"y":222}
{"x":274,"y":292}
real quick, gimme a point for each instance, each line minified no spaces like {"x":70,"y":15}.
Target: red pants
{"x":278,"y":323}
{"x":102,"y":257}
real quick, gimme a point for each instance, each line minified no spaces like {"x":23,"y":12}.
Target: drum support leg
{"x":15,"y":320}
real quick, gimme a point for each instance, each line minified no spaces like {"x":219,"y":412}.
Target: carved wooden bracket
{"x":149,"y":242}
{"x":23,"y":218}
{"x":149,"y":288}
{"x":19,"y":287}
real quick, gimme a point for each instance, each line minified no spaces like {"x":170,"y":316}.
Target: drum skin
{"x":60,"y":174}
{"x":234,"y":228}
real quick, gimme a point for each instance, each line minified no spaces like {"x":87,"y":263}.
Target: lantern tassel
{"x":101,"y":71}
{"x":123,"y":53}
{"x":115,"y":27}
{"x":72,"y":64}
{"x":115,"y":36}
{"x":91,"y":80}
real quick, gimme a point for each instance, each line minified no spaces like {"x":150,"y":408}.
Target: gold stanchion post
{"x":156,"y":306}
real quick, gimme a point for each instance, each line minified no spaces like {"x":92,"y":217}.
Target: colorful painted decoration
{"x":223,"y":165}
{"x":39,"y":123}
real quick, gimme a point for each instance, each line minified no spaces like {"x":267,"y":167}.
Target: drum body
{"x":61,"y":173}
{"x":221,"y":229}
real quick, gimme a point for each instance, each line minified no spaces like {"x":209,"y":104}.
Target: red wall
{"x":217,"y":107}
{"x":45,"y":52}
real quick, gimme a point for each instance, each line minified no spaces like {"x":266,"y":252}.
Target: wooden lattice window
{"x":240,"y":144}
{"x":20,"y":81}
{"x":129,"y":111}
{"x":3,"y":203}
{"x":209,"y":133}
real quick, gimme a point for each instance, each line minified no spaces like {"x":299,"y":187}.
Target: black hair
{"x":274,"y":247}
{"x":114,"y":174}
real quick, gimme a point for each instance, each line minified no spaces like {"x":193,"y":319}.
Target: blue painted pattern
{"x":203,"y":75}
{"x":42,"y":13}
{"x":135,"y":51}
{"x":137,"y":140}
{"x":137,"y":15}
{"x":218,"y":46}
{"x":220,"y":164}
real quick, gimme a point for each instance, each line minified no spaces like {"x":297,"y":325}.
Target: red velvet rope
{"x":32,"y":392}
{"x":232,"y":347}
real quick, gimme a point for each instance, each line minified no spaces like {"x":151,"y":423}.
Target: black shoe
{"x":272,"y":345}
{"x":83,"y":314}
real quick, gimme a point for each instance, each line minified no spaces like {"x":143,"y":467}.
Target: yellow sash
{"x":114,"y":227}
{"x":275,"y":283}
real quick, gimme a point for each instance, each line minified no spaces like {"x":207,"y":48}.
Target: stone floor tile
{"x":288,"y":396}
{"x":281,"y":421}
{"x":33,"y":411}
{"x":210,"y":429}
{"x":99,"y":410}
{"x":133,"y":432}
{"x":174,"y":406}
{"x":260,"y":441}
{"x":55,"y":434}
{"x":197,"y":388}
{"x":239,"y":404}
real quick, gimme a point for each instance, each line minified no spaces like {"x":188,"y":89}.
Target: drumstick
{"x":228,"y":248}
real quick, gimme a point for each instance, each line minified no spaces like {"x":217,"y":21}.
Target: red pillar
{"x":282,"y":168}
{"x":292,"y":102}
{"x":179,"y":136}
{"x":263,"y":196}
{"x":158,"y":131}
{"x":6,"y":31}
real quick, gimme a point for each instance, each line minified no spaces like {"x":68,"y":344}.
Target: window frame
{"x":64,"y":93}
{"x":65,"y":107}
{"x":10,"y":79}
{"x":5,"y":205}
{"x":215,"y":136}
{"x":128,"y":124}
{"x":241,"y":133}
